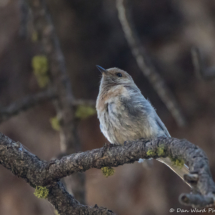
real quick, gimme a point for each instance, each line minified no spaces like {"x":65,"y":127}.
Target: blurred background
{"x":90,"y":33}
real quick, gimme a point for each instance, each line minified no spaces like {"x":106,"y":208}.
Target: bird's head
{"x":114,"y":77}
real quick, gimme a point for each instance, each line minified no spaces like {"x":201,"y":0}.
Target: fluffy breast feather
{"x":124,"y":115}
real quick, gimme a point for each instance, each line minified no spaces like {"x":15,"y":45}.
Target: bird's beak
{"x":102,"y":70}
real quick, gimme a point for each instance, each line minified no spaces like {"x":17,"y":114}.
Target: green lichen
{"x":161,"y":151}
{"x":179,"y":162}
{"x":55,"y":123}
{"x":150,"y":153}
{"x":83,"y":111}
{"x":41,"y":192}
{"x":56,"y":212}
{"x":34,"y":36}
{"x":40,"y":69}
{"x":40,"y":64}
{"x":107,"y":171}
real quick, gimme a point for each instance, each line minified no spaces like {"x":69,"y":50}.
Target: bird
{"x":126,"y":115}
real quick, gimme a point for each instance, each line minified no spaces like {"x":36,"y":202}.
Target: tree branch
{"x":146,"y":66}
{"x":41,"y":173}
{"x":69,"y":140}
{"x":67,"y":205}
{"x":59,"y":76}
{"x":199,"y":68}
{"x":33,"y":100}
{"x":25,"y":104}
{"x":24,"y":164}
{"x":23,"y":29}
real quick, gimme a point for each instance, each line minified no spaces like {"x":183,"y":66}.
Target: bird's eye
{"x":119,"y":74}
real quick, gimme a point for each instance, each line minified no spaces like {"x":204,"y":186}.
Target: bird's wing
{"x":180,"y":171}
{"x":161,"y":125}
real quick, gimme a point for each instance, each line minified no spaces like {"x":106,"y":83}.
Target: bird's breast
{"x":110,"y":96}
{"x":119,"y":121}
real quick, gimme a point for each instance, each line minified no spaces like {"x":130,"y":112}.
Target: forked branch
{"x":24,"y":164}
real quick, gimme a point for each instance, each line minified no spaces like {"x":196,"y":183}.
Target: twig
{"x":197,"y":62}
{"x":25,"y":104}
{"x":199,"y":68}
{"x":145,"y":65}
{"x":60,"y":80}
{"x":24,"y":19}
{"x":41,"y":173}
{"x":34,"y":100}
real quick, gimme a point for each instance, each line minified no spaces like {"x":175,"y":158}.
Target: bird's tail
{"x":180,"y":171}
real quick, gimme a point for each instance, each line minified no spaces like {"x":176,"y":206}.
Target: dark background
{"x":90,"y":34}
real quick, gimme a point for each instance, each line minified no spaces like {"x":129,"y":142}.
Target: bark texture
{"x":61,"y":83}
{"x":36,"y":172}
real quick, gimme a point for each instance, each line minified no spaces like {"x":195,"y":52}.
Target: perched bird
{"x":125,"y":114}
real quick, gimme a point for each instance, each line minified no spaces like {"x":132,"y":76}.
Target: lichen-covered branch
{"x":31,"y":101}
{"x":41,"y":173}
{"x":146,"y":66}
{"x":199,"y":68}
{"x":25,"y":104}
{"x":24,"y":164}
{"x":69,"y":140}
{"x":60,"y":80}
